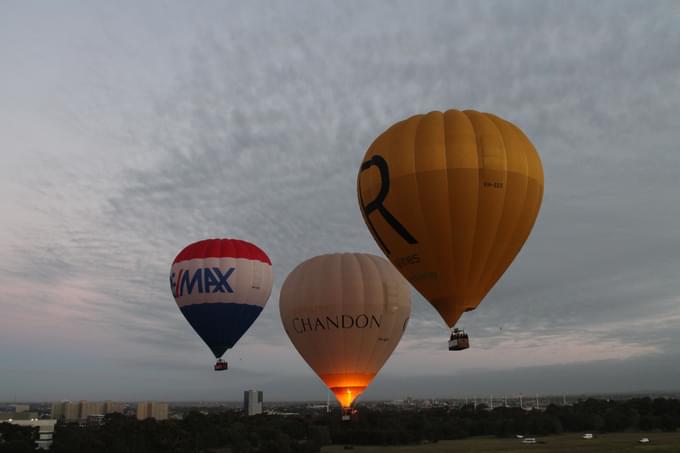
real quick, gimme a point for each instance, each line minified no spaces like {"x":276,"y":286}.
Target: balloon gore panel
{"x":221,"y":325}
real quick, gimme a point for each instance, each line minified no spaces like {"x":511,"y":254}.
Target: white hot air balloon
{"x":345,"y":314}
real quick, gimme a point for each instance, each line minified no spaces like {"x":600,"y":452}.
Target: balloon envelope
{"x":345,"y":314}
{"x":451,"y":198}
{"x":221,"y":286}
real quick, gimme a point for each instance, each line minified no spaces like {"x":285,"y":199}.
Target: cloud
{"x":606,"y":377}
{"x":251,"y":122}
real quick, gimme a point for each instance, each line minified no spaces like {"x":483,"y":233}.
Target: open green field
{"x":616,"y":442}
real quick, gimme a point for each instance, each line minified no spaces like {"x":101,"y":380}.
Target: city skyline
{"x":516,"y":399}
{"x":132,"y":130}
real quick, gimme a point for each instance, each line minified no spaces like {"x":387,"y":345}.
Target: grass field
{"x":617,"y":442}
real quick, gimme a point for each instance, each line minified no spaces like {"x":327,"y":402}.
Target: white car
{"x":644,"y":440}
{"x":529,"y":440}
{"x":587,"y":436}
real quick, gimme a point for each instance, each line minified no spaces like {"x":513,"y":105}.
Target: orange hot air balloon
{"x":451,"y":198}
{"x":345,"y":314}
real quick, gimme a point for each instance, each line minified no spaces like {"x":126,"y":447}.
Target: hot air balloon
{"x":221,"y":286}
{"x":450,"y":198}
{"x":345,"y":314}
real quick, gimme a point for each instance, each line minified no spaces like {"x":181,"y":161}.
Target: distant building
{"x":45,"y":431}
{"x":4,"y":416}
{"x":252,"y":402}
{"x":57,"y":410}
{"x":111,"y":407}
{"x":152,"y":409}
{"x":94,"y":420}
{"x":20,"y":408}
{"x":65,"y":410}
{"x":80,"y":411}
{"x":87,"y":408}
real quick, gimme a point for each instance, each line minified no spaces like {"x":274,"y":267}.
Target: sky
{"x":131,"y":129}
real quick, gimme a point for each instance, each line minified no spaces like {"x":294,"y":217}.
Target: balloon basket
{"x":459,"y":340}
{"x":350,"y":415}
{"x":221,"y":365}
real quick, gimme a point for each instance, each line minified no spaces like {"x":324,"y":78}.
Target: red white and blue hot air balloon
{"x":221,"y":286}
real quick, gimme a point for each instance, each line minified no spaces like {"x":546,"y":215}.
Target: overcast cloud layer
{"x":128,"y":131}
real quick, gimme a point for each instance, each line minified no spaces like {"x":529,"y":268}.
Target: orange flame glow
{"x":347,"y":386}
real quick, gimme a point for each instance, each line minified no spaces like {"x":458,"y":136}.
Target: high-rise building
{"x":111,"y":406}
{"x":87,"y":408}
{"x":252,"y":402}
{"x":73,"y":412}
{"x":152,"y":409}
{"x":66,"y":410}
{"x":142,"y":410}
{"x":58,"y":410}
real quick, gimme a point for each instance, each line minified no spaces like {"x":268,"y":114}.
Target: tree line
{"x":309,"y":431}
{"x":387,"y":427}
